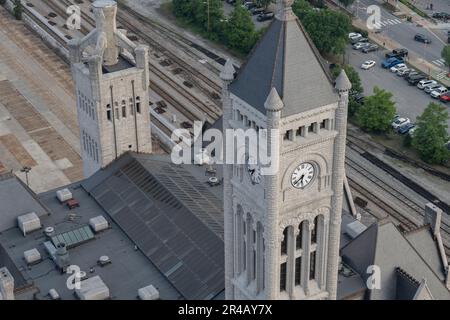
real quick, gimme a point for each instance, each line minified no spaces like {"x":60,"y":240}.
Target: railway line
{"x":206,"y":111}
{"x":405,"y":221}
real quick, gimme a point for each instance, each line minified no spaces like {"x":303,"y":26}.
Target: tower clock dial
{"x":303,"y":175}
{"x":253,"y":170}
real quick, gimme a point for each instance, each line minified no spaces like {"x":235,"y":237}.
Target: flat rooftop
{"x":129,"y":270}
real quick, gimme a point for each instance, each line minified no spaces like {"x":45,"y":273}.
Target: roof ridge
{"x":280,"y":39}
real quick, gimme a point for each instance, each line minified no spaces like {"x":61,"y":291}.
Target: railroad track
{"x":405,"y":221}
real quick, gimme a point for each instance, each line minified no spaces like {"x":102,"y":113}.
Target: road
{"x":403,"y":32}
{"x":410,"y":101}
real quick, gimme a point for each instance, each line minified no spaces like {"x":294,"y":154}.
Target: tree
{"x":240,"y":31}
{"x":431,"y":134}
{"x":446,"y":54}
{"x":328,"y":29}
{"x":346,"y":3}
{"x":377,"y":112}
{"x":264,"y":3}
{"x":301,"y":8}
{"x":17,"y":9}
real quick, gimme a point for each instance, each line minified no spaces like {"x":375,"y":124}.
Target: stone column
{"x":273,"y":106}
{"x":227,"y":75}
{"x":343,"y":86}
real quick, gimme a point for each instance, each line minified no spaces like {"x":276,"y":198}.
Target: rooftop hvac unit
{"x":32,"y":256}
{"x":103,"y":261}
{"x":28,"y":222}
{"x":49,"y":231}
{"x":54,"y":294}
{"x":148,"y":293}
{"x":64,"y":195}
{"x":98,"y":224}
{"x":92,"y":289}
{"x":354,"y":229}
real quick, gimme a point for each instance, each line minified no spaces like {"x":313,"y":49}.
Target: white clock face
{"x":253,"y":170}
{"x":303,"y":175}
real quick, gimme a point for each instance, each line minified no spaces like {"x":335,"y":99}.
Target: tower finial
{"x":284,"y":10}
{"x":273,"y":101}
{"x":227,"y":73}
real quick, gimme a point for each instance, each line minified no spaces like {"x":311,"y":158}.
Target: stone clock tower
{"x":282,"y":231}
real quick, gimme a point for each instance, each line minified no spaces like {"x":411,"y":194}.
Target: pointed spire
{"x":227,"y":73}
{"x":284,"y":10}
{"x":273,"y":101}
{"x":342,"y":82}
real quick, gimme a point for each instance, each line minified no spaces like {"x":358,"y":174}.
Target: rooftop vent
{"x":355,"y":228}
{"x":98,"y":224}
{"x":103,"y":261}
{"x":64,"y":195}
{"x":32,"y":256}
{"x":148,"y":293}
{"x":28,"y":222}
{"x":49,"y":232}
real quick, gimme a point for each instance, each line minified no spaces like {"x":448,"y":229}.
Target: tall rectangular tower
{"x":282,"y":230}
{"x":111,"y":77}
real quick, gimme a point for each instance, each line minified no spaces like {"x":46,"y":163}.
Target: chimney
{"x":105,"y":12}
{"x":6,"y":284}
{"x":433,"y":218}
{"x":62,"y":256}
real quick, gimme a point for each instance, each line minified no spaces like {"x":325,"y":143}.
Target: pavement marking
{"x":439,"y":62}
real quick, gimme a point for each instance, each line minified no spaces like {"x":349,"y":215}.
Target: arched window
{"x":283,"y":276}
{"x":299,"y":239}
{"x":284,"y":241}
{"x":314,"y":231}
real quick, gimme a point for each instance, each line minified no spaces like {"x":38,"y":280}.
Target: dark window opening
{"x":323,"y":124}
{"x":131,"y":109}
{"x":283,"y":277}
{"x":124,"y":111}
{"x":311,"y":127}
{"x":108,"y":114}
{"x":314,"y":231}
{"x":117,"y":114}
{"x":284,"y":242}
{"x":298,"y":242}
{"x":286,"y":135}
{"x":312,"y":266}
{"x":298,"y":270}
{"x":138,"y":107}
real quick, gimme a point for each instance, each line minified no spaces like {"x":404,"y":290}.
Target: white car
{"x":368,"y":64}
{"x":430,"y":88}
{"x":403,"y":72}
{"x":398,"y":67}
{"x":425,"y":83}
{"x":360,"y":45}
{"x":399,"y":122}
{"x":439,"y":92}
{"x":354,"y":35}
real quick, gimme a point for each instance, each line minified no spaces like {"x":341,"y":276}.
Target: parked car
{"x":389,"y":63}
{"x":399,"y":122}
{"x":429,"y":89}
{"x":404,"y":129}
{"x":360,"y":45}
{"x":254,"y":11}
{"x":404,"y":72}
{"x":265,"y":16}
{"x":370,"y":48}
{"x":438,"y":92}
{"x":445,"y":97}
{"x":354,"y":35}
{"x":359,"y":98}
{"x":398,"y":67}
{"x":421,"y":38}
{"x":250,"y":5}
{"x":425,"y":83}
{"x":368,"y":64}
{"x":441,"y":15}
{"x":414,"y":80}
{"x":401,"y":52}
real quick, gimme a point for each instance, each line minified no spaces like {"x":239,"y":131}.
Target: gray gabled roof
{"x":384,"y":246}
{"x":285,"y":59}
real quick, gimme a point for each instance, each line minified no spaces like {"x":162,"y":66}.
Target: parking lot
{"x":228,"y":8}
{"x":410,"y":101}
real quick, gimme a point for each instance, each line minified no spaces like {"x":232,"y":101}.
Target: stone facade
{"x":112,"y":92}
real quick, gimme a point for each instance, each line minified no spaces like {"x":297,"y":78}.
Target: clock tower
{"x":282,"y":230}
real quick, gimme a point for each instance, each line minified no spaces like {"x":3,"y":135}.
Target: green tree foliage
{"x":431,"y":134}
{"x":446,"y":55}
{"x":301,"y":8}
{"x":240,"y":31}
{"x":17,"y":9}
{"x":328,"y":29}
{"x":377,"y":112}
{"x":354,"y":78}
{"x":346,"y":3}
{"x":264,"y":3}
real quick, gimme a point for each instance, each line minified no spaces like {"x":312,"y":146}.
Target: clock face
{"x":253,"y":170}
{"x":303,"y":175}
